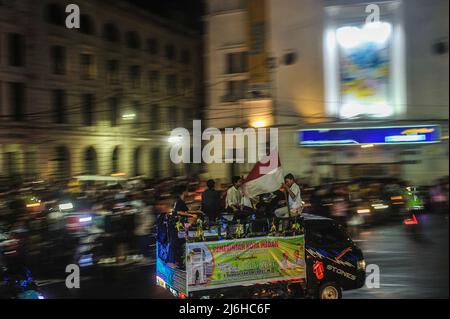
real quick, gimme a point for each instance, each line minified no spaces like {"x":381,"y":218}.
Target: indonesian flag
{"x":266,"y":177}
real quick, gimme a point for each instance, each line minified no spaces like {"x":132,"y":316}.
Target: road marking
{"x":393,"y":285}
{"x":382,"y":252}
{"x":42,"y":283}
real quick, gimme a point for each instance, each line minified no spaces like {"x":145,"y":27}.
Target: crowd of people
{"x":122,"y":216}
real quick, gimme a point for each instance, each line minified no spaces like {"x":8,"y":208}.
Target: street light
{"x":259,"y":124}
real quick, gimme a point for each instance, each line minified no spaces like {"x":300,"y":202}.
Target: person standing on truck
{"x":234,"y":197}
{"x":294,"y":198}
{"x":211,"y":201}
{"x":180,"y":208}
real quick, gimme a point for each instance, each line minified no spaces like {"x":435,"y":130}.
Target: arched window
{"x":133,"y":40}
{"x":155,"y":163}
{"x":116,"y":160}
{"x":87,"y":25}
{"x":137,"y":161}
{"x":62,"y":163}
{"x":153,"y":46}
{"x":90,"y":161}
{"x":111,"y":32}
{"x":54,"y":14}
{"x":170,"y":52}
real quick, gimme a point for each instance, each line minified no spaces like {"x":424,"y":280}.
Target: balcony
{"x":220,"y":6}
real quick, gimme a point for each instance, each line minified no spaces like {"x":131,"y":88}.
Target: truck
{"x":316,"y":260}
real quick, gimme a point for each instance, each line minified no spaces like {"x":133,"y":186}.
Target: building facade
{"x":100,"y":99}
{"x":327,"y":70}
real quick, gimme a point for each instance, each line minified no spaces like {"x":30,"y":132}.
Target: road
{"x":413,"y":263}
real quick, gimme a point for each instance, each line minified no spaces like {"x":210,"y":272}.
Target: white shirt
{"x":233,"y":197}
{"x":295,"y":203}
{"x":246,"y":201}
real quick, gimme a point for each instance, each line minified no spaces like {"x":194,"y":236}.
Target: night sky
{"x":187,"y":12}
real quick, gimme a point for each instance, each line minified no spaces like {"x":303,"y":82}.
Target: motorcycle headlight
{"x":361,"y":264}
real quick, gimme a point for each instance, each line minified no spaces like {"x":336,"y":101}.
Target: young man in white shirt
{"x":294,"y":199}
{"x":234,"y":197}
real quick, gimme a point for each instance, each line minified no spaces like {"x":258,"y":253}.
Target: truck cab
{"x":334,"y":262}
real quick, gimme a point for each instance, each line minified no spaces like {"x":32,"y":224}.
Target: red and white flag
{"x":266,"y":177}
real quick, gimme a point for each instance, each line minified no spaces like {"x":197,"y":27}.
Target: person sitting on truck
{"x":294,"y":198}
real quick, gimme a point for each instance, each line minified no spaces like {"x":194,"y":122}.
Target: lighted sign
{"x":365,"y":68}
{"x":371,"y":136}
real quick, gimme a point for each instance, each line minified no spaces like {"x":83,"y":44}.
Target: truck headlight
{"x":361,"y":264}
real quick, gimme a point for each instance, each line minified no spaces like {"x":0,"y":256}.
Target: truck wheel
{"x":330,"y":290}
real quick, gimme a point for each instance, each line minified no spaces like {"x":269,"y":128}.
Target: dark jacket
{"x":211,"y":203}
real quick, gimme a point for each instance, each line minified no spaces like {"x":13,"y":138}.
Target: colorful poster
{"x":364,"y":76}
{"x":170,"y":277}
{"x":212,"y":265}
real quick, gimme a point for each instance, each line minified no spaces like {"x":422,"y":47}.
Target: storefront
{"x":409,"y":152}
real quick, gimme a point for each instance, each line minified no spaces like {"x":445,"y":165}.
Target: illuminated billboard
{"x":364,"y":59}
{"x":364,"y":62}
{"x":370,"y":135}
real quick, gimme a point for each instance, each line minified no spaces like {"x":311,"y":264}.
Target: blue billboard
{"x":420,"y":134}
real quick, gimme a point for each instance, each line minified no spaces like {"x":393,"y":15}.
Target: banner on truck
{"x":213,"y":265}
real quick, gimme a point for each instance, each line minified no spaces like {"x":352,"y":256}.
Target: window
{"x":137,"y":154}
{"x":155,"y":162}
{"x":112,"y":71}
{"x":327,"y":234}
{"x":114,"y":110}
{"x":154,"y":81}
{"x":187,"y":87}
{"x":86,"y":25}
{"x":172,"y":117}
{"x":11,"y":160}
{"x":188,"y":117}
{"x":111,"y":33}
{"x":115,"y":160}
{"x":155,"y":118}
{"x":54,"y":14}
{"x":171,"y":84}
{"x":236,"y":62}
{"x":236,"y":90}
{"x":153,"y":46}
{"x":30,"y":164}
{"x":133,"y":40}
{"x":137,"y":112}
{"x":170,"y":52}
{"x":90,"y":161}
{"x":186,"y":57}
{"x":135,"y":76}
{"x":59,"y":106}
{"x":88,"y":109}
{"x":58,"y":59}
{"x":62,"y":169}
{"x":17,"y":101}
{"x":16,"y":49}
{"x":88,"y":71}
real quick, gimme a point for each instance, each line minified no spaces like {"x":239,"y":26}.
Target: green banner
{"x":212,"y":265}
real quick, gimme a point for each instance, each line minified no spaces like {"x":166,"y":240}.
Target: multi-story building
{"x":100,"y":99}
{"x":350,"y":96}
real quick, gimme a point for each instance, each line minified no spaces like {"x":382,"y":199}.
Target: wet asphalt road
{"x":413,"y":260}
{"x":413,"y":263}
